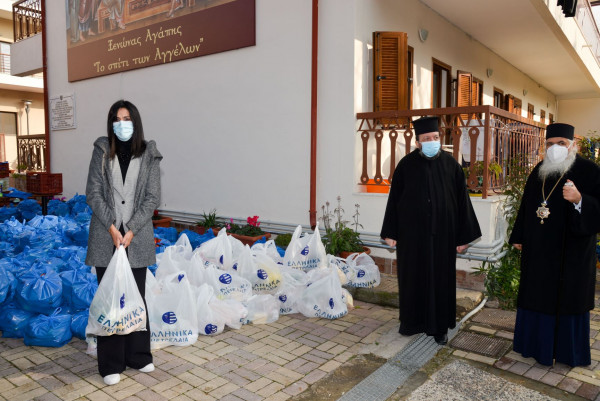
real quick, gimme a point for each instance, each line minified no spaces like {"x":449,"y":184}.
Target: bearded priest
{"x":556,"y":229}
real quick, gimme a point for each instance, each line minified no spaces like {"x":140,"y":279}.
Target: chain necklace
{"x":543,"y":212}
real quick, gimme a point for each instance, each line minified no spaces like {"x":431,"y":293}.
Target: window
{"x":498,"y":98}
{"x":530,"y":111}
{"x":517,"y":106}
{"x":440,"y":96}
{"x":4,"y":58}
{"x":392,"y":69}
{"x":8,"y":126}
{"x":469,"y":91}
{"x":543,"y":116}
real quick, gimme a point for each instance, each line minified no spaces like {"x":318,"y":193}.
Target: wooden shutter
{"x":530,"y":111}
{"x":390,"y":71}
{"x":543,"y":116}
{"x":509,"y":103}
{"x":464,"y":91}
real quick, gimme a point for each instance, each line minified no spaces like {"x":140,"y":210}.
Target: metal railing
{"x":31,"y":151}
{"x":477,"y":136}
{"x":27,"y":18}
{"x":588,"y":25}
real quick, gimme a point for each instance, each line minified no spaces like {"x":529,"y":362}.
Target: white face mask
{"x":123,"y":130}
{"x":557,"y":153}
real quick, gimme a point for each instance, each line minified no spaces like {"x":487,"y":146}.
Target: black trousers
{"x":117,"y":352}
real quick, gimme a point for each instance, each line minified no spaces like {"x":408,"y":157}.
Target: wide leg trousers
{"x":117,"y":352}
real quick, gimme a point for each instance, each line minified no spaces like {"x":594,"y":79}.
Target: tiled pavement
{"x":257,"y":362}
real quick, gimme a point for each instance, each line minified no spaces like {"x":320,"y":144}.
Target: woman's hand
{"x":127,"y":238}
{"x":117,"y":238}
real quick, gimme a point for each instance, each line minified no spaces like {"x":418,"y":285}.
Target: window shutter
{"x":390,"y":71}
{"x":509,"y":103}
{"x":464,"y":93}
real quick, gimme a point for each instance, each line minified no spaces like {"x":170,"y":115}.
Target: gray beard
{"x":548,"y":169}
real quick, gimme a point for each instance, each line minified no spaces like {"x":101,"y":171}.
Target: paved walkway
{"x":258,"y":362}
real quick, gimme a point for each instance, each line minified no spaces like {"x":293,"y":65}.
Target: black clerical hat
{"x":560,"y":130}
{"x":425,"y":125}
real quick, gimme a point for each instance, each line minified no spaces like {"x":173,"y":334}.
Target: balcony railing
{"x":588,"y":25}
{"x":476,"y":136}
{"x":31,"y":151}
{"x":27,"y":18}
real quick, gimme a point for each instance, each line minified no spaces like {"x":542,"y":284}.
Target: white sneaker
{"x":113,"y":379}
{"x":148,"y":368}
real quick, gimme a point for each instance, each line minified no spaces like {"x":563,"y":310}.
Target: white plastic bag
{"x":306,"y":253}
{"x":362,"y":271}
{"x":323,"y":296}
{"x":172,"y":311}
{"x":227,"y":285}
{"x":209,"y":322}
{"x":219,"y":250}
{"x":270,"y":249}
{"x":175,"y":258}
{"x":262,"y":309}
{"x":293,"y":284}
{"x":117,"y":307}
{"x":260,"y":270}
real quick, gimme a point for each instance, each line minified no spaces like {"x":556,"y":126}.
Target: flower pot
{"x":202,"y":230}
{"x":162,"y":221}
{"x":345,"y":254}
{"x":246,"y":240}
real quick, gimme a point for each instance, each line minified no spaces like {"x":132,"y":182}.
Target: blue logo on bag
{"x":122,"y":301}
{"x":221,"y":259}
{"x":210,"y":329}
{"x":169,"y":318}
{"x":235,"y":266}
{"x":180,"y":277}
{"x":283,"y":298}
{"x":361,"y":273}
{"x":262,"y":274}
{"x":305,"y":251}
{"x":331,"y":303}
{"x":225,"y":278}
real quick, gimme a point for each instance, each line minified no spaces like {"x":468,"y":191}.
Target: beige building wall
{"x":582,"y":114}
{"x":6,"y":30}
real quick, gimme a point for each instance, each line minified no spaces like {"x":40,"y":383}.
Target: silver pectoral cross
{"x":542,"y":212}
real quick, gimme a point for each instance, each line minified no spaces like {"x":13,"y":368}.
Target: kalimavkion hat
{"x":560,"y":130}
{"x":425,"y":125}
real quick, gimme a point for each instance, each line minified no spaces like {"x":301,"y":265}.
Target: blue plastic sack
{"x":13,"y":321}
{"x":83,"y":291}
{"x":194,"y":237}
{"x":79,"y":322}
{"x":168,"y":233}
{"x":49,"y":331}
{"x":68,"y":278}
{"x":15,"y":193}
{"x":58,"y":208}
{"x":8,"y":285}
{"x":8,"y":212}
{"x":208,"y":235}
{"x":78,"y":235}
{"x":39,"y":291}
{"x":29,"y":208}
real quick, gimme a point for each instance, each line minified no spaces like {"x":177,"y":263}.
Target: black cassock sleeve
{"x":588,"y":221}
{"x":468,"y":227}
{"x":391,"y":218}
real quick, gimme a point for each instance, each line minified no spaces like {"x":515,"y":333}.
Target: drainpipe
{"x":46,"y":101}
{"x":313,"y":115}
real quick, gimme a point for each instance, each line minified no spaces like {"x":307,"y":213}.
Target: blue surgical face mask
{"x":123,"y":130}
{"x":430,"y":148}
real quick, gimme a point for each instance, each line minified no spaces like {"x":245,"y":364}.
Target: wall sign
{"x":109,"y":36}
{"x":62,"y":112}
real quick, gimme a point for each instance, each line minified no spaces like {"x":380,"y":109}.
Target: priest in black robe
{"x":555,"y":230}
{"x":429,"y":218}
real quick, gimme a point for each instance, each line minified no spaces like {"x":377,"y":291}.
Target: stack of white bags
{"x":225,"y":283}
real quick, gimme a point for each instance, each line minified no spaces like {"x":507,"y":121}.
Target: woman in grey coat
{"x":123,"y":190}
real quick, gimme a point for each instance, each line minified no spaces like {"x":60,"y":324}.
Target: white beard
{"x":549,"y":169}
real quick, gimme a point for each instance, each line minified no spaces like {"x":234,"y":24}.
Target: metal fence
{"x":27,"y":18}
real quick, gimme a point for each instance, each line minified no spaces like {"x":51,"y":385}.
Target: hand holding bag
{"x":117,"y":307}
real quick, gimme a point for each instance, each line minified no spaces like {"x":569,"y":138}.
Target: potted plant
{"x":283,"y":240}
{"x":161,"y":221}
{"x":248,"y":233}
{"x":340,"y":239}
{"x":208,"y":221}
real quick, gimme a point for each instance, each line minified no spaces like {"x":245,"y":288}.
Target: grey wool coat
{"x":100,"y":197}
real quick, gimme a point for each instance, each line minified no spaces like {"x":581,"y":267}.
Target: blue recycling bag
{"x":194,"y":238}
{"x":8,"y":284}
{"x":168,"y":233}
{"x":83,"y":291}
{"x":7,"y":212}
{"x":13,"y":320}
{"x":68,"y":278}
{"x":58,"y":208}
{"x":39,"y":291}
{"x":79,"y":322}
{"x":49,"y":331}
{"x":29,"y":208}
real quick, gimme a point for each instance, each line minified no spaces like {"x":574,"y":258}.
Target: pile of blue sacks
{"x":45,"y":287}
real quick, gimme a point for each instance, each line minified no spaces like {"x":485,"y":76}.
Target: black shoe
{"x":441,"y":339}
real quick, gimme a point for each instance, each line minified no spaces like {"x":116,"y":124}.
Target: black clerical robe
{"x":558,"y":260}
{"x":429,"y":214}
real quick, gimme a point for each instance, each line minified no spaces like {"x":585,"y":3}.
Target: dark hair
{"x":138,"y":144}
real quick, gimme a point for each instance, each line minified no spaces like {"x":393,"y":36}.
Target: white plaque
{"x":62,"y":112}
